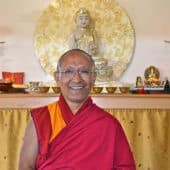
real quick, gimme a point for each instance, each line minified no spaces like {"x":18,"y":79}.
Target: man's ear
{"x":93,"y":78}
{"x":56,"y":76}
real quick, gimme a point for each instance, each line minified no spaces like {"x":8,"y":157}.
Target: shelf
{"x":134,"y":101}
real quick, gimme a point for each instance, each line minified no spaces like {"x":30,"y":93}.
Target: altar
{"x":145,"y":119}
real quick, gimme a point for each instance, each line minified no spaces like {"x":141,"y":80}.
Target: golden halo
{"x":112,"y":25}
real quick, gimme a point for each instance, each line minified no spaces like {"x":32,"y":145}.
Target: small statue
{"x":139,"y":82}
{"x":152,"y":76}
{"x":166,"y":85}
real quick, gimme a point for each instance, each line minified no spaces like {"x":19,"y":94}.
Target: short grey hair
{"x":88,"y":56}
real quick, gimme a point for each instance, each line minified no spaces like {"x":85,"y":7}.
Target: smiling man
{"x":73,"y":133}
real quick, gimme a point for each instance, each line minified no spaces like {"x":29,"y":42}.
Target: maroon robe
{"x":91,"y":140}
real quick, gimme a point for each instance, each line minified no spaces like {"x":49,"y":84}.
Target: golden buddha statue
{"x":84,"y":37}
{"x":152,"y":77}
{"x":84,"y":32}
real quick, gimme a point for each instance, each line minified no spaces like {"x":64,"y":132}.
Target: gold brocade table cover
{"x":147,"y":131}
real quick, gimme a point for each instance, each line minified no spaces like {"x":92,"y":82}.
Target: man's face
{"x":75,"y":77}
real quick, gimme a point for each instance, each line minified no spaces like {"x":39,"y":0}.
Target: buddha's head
{"x":82,"y":18}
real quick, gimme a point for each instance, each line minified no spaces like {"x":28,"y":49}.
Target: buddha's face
{"x":83,"y":20}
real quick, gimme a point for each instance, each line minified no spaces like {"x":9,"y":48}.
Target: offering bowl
{"x":43,"y":89}
{"x":56,"y":89}
{"x":111,"y":89}
{"x":97,"y":89}
{"x":124,"y":89}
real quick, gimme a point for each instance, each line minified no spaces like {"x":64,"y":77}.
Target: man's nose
{"x":76,"y":76}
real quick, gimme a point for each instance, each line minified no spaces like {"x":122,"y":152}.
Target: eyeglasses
{"x":69,"y":73}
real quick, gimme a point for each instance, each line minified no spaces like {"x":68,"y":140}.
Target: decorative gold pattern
{"x":112,"y":25}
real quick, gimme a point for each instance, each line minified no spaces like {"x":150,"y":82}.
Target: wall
{"x":149,"y":18}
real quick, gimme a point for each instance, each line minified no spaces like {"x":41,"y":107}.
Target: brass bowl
{"x":43,"y":89}
{"x":5,"y":87}
{"x":124,"y":89}
{"x":111,"y":89}
{"x":97,"y":89}
{"x":56,"y":89}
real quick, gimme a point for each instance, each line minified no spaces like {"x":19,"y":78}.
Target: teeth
{"x":76,"y":87}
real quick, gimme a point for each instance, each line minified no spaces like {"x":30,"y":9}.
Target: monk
{"x":73,"y":133}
